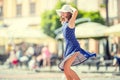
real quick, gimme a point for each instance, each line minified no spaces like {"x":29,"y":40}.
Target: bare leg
{"x":48,"y":61}
{"x":70,"y":74}
{"x":44,"y":62}
{"x":115,"y":67}
{"x":115,"y":63}
{"x":74,"y":75}
{"x":67,"y":71}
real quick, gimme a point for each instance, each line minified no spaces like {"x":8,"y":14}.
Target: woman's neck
{"x":63,"y":22}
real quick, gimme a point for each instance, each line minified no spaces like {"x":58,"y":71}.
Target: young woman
{"x":73,"y":54}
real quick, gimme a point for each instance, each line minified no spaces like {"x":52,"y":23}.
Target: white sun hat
{"x":65,"y":8}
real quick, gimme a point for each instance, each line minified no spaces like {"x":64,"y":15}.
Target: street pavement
{"x":54,"y":73}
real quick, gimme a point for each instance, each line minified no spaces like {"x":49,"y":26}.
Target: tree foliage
{"x":94,"y":16}
{"x":50,"y":20}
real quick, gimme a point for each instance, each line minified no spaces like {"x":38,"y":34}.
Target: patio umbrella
{"x":89,"y":30}
{"x":34,"y":36}
{"x":113,"y":30}
{"x":28,"y":35}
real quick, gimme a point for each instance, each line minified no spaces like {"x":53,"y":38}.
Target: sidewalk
{"x":55,"y":74}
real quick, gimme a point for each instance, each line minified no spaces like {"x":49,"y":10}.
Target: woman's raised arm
{"x":71,"y":22}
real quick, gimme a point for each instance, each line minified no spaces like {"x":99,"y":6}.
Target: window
{"x":32,"y":8}
{"x":19,"y":10}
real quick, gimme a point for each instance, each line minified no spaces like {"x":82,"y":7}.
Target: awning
{"x":113,"y":30}
{"x":89,"y":30}
{"x":21,"y":33}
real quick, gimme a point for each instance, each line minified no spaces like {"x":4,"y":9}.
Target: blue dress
{"x":72,"y":46}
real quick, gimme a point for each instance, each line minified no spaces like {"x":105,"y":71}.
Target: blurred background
{"x":31,"y":40}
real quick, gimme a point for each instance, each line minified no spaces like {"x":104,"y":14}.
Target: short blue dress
{"x":72,"y":46}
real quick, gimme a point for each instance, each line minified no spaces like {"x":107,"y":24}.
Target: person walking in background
{"x":32,"y":64}
{"x":46,"y":55}
{"x":19,"y":54}
{"x":13,"y":58}
{"x":73,"y":54}
{"x":114,"y":48}
{"x":116,"y":61}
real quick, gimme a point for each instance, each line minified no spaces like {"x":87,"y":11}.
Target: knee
{"x":66,"y":69}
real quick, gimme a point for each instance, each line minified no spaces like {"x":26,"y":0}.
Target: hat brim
{"x":60,"y":10}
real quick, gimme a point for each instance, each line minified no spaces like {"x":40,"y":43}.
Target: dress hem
{"x":80,"y":57}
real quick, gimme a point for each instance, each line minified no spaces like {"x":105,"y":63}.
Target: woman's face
{"x":64,"y":14}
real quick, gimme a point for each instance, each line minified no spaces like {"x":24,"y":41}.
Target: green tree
{"x":50,"y":20}
{"x":94,"y":16}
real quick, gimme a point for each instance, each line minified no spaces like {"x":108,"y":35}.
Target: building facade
{"x":23,"y":11}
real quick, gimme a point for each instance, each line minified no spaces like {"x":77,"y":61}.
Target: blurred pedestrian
{"x":73,"y":54}
{"x":32,"y":63}
{"x":30,"y":52}
{"x":116,"y":62}
{"x":114,"y":48}
{"x":27,"y":56}
{"x":46,"y":56}
{"x":19,"y":54}
{"x":13,"y":58}
{"x":37,"y":49}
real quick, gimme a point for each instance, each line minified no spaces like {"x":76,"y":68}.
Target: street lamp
{"x":108,"y":56}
